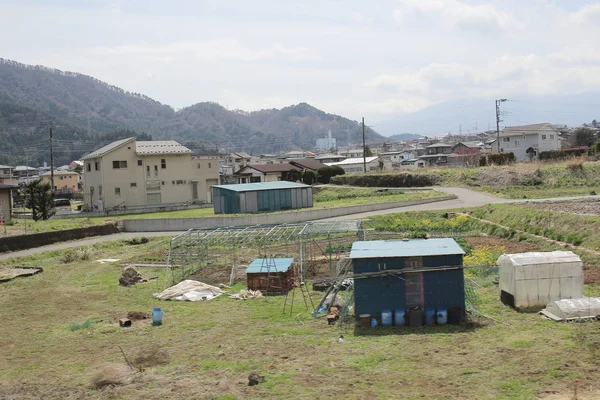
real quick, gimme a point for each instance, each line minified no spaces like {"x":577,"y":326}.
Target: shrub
{"x":309,"y":177}
{"x":497,"y":159}
{"x":324,"y":174}
{"x":562,"y":154}
{"x":388,"y":180}
{"x":78,"y":254}
{"x":575,"y":166}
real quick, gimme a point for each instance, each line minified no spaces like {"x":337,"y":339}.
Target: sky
{"x":376,"y":59}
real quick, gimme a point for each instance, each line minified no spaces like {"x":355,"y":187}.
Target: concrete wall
{"x":183,"y":224}
{"x":22,"y":242}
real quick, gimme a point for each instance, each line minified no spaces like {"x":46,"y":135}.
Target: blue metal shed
{"x":261,"y":197}
{"x":403,"y":274}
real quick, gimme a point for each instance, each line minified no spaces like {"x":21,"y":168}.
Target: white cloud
{"x":356,"y":16}
{"x":210,"y":50}
{"x":457,"y":13}
{"x":588,"y":14}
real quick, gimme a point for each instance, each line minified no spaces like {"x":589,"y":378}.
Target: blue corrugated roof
{"x":262,"y":265}
{"x":405,"y":248}
{"x":249,"y":187}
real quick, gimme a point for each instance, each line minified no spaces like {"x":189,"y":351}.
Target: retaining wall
{"x":183,"y":224}
{"x":23,"y":242}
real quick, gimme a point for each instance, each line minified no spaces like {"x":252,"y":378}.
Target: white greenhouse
{"x":573,"y":309}
{"x":535,"y":279}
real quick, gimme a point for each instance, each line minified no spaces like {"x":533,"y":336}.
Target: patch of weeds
{"x":226,"y":397}
{"x":136,"y":241}
{"x":368,"y":362}
{"x":516,"y":389}
{"x":78,"y":254}
{"x":469,"y":372}
{"x":522,"y":344}
{"x":77,"y":326}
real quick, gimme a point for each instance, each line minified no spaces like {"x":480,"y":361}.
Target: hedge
{"x":497,"y":159}
{"x":562,"y":154}
{"x":395,"y":180}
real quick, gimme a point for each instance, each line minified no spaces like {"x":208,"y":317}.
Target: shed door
{"x":414,"y":290}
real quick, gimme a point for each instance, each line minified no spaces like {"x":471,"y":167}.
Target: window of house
{"x":506,"y":139}
{"x":147,"y":171}
{"x":543,"y":137}
{"x":97,"y":165}
{"x":173,"y":182}
{"x":163,"y":183}
{"x":89,"y":167}
{"x":156,"y":171}
{"x":163,"y":163}
{"x":118,"y":192}
{"x":133,"y":185}
{"x":199,"y":165}
{"x":209,"y":165}
{"x":139,"y":163}
{"x":551,"y":136}
{"x":153,"y":185}
{"x":119,"y":164}
{"x":60,"y":178}
{"x":517,"y":143}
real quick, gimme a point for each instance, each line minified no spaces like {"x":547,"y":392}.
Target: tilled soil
{"x":588,"y":207}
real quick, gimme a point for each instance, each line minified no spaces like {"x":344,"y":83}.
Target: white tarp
{"x":538,"y":278}
{"x":189,"y":290}
{"x":566,"y":309}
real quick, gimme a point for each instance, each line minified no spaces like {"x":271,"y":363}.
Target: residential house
{"x":307,"y":163}
{"x":330,"y":158}
{"x":26,"y":174}
{"x":439,"y":154}
{"x":410,"y":164}
{"x":255,"y":173}
{"x":528,"y":141}
{"x":6,"y":176}
{"x":351,"y":153}
{"x":292,"y":155}
{"x":468,"y":152}
{"x":146,"y":173}
{"x":6,"y":202}
{"x":76,"y":165}
{"x":64,"y":181}
{"x":356,"y":165}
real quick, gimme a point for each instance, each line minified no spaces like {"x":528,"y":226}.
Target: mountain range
{"x":86,"y":113}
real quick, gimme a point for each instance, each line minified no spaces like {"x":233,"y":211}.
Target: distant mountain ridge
{"x":83,"y":109}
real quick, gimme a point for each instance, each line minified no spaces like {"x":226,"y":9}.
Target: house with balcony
{"x":526,"y":142}
{"x":135,"y":173}
{"x":255,"y":173}
{"x":65,"y":182}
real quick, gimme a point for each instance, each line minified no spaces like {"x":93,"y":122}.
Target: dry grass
{"x":112,"y":375}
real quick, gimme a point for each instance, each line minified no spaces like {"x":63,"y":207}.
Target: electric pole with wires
{"x":498,"y":122}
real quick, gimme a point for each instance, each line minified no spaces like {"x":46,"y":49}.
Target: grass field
{"x":61,"y":327}
{"x":527,"y":180}
{"x":329,"y":197}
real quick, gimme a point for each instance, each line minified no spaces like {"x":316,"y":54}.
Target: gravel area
{"x":575,"y":207}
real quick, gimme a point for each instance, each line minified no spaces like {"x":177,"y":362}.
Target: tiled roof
{"x":109,"y":147}
{"x":160,"y":147}
{"x":308,"y":163}
{"x":356,"y":160}
{"x":60,"y":172}
{"x":269,"y":168}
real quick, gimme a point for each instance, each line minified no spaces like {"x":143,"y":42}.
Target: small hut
{"x":271,"y":275}
{"x":261,"y":197}
{"x":537,"y":278}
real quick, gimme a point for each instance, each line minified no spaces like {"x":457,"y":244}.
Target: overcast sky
{"x":354,"y":58}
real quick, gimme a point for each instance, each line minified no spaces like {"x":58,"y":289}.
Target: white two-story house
{"x":528,"y":141}
{"x":137,"y":174}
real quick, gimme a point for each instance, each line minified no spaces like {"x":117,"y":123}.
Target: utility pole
{"x":364,"y":146}
{"x":498,"y":122}
{"x":51,"y":160}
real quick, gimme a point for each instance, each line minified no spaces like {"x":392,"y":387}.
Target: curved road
{"x":466,"y":199}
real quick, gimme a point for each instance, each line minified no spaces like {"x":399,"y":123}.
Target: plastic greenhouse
{"x":535,"y":279}
{"x":572,"y":309}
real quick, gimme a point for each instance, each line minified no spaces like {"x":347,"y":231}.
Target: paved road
{"x":466,"y":199}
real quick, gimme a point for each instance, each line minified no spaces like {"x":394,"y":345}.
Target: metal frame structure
{"x":196,"y":249}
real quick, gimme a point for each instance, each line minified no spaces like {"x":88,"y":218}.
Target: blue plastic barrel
{"x":400,"y":317}
{"x":157,"y":316}
{"x":374,"y":323}
{"x":430,"y":316}
{"x":386,"y":317}
{"x":442,"y":316}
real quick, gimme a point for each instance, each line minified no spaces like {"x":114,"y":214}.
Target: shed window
{"x":163,"y":163}
{"x":120,"y":164}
